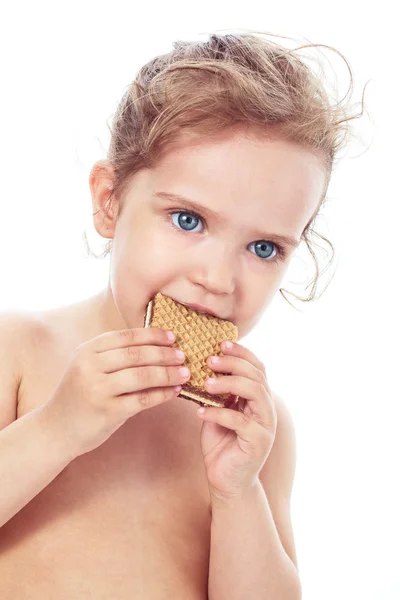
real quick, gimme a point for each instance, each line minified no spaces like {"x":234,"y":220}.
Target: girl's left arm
{"x":252,"y":552}
{"x":247,"y":559}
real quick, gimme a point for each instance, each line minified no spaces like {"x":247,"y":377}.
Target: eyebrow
{"x":187,"y":203}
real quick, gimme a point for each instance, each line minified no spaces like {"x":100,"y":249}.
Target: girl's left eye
{"x":187,"y":220}
{"x":188,"y":223}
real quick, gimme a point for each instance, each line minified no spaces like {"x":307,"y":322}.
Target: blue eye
{"x":264,"y":247}
{"x":186,"y":221}
{"x":189,"y":221}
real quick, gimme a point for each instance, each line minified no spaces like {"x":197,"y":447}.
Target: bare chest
{"x":129,"y":519}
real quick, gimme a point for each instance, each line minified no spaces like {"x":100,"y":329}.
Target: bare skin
{"x":128,"y":519}
{"x":132,"y":518}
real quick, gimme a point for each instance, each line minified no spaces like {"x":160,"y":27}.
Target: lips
{"x":201,"y":309}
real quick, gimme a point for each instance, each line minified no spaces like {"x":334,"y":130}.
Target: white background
{"x":64,"y":68}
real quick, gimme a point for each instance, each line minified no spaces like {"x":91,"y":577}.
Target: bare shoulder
{"x":18,"y":331}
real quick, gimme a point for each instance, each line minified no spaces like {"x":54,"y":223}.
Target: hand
{"x":236,"y":440}
{"x":109,"y":379}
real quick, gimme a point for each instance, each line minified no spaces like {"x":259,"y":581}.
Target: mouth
{"x":201,"y":309}
{"x":204,"y":310}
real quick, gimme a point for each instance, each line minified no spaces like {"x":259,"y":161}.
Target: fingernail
{"x":214,"y":359}
{"x":211,"y":380}
{"x":228,"y":345}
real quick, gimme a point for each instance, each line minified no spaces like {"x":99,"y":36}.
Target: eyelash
{"x":281,"y":251}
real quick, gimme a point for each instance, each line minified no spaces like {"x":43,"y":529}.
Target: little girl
{"x":112,"y":486}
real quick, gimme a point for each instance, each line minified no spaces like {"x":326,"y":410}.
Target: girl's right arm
{"x":110,"y":378}
{"x":30,"y":456}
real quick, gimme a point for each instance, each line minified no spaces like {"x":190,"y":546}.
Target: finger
{"x":144,"y":399}
{"x":235,"y":366}
{"x":141,"y":378}
{"x":245,"y":427}
{"x":258,"y":399}
{"x":137,"y":356}
{"x":129,"y":337}
{"x":245,"y":353}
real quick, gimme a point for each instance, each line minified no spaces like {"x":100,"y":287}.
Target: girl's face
{"x":219,"y":245}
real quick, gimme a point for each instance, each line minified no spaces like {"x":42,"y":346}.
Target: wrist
{"x":58,"y":440}
{"x":223,"y":501}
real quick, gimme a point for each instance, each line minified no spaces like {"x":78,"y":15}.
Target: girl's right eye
{"x":185,"y":223}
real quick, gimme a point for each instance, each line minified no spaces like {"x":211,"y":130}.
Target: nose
{"x":216,"y":273}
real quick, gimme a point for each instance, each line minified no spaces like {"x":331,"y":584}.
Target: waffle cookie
{"x":199,"y":336}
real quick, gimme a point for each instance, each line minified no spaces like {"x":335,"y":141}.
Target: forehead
{"x":246,"y":178}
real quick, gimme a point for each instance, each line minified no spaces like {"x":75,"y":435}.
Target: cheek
{"x":161,"y":249}
{"x":147,"y":257}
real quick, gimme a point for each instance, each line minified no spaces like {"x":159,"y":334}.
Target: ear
{"x":105,"y":205}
